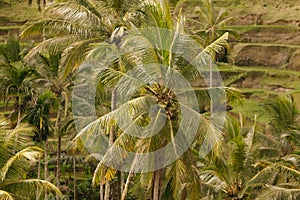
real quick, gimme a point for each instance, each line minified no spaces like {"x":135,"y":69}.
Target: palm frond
{"x":274,"y":192}
{"x":214,"y":47}
{"x":70,"y":59}
{"x":55,"y":45}
{"x":28,"y":187}
{"x":29,"y":153}
{"x":5,"y":195}
{"x":81,"y":12}
{"x":283,"y":113}
{"x":56,"y":26}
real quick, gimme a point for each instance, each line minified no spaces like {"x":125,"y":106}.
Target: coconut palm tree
{"x":77,"y":25}
{"x":142,"y":48}
{"x":73,"y":25}
{"x":229,"y":175}
{"x":14,"y":164}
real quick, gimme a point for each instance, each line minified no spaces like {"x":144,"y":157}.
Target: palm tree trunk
{"x":19,"y":110}
{"x":101,"y":191}
{"x":125,"y":188}
{"x":46,"y":166}
{"x":107,"y":190}
{"x":211,"y":83}
{"x":111,"y":141}
{"x":74,"y":171}
{"x":157,"y":178}
{"x":122,"y":184}
{"x":18,"y":123}
{"x":58,"y":155}
{"x":58,"y":151}
{"x":37,"y":196}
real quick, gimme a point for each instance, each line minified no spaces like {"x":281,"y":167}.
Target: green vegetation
{"x":241,"y":145}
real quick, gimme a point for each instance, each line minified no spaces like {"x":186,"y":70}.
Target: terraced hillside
{"x":263,"y":62}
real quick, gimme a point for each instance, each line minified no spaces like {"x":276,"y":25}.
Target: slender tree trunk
{"x":111,"y":141}
{"x":122,"y":184}
{"x":17,"y":136}
{"x":19,"y":110}
{"x":37,"y":196}
{"x":101,"y":191}
{"x":125,"y":188}
{"x":211,"y":83}
{"x":46,"y":166}
{"x":58,"y":155}
{"x":157,"y":177}
{"x":211,"y":73}
{"x":74,"y":175}
{"x":58,"y":150}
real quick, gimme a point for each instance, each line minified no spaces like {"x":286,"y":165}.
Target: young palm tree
{"x":50,"y":77}
{"x":210,"y":26}
{"x":15,"y":77}
{"x":212,"y":22}
{"x":39,"y":114}
{"x":283,"y":122}
{"x":14,"y":164}
{"x":39,"y":117}
{"x":244,"y":170}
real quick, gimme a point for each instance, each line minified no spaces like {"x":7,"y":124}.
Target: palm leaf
{"x":56,"y":45}
{"x":29,"y":153}
{"x":70,"y":59}
{"x":27,"y":188}
{"x":5,"y":195}
{"x":274,"y":192}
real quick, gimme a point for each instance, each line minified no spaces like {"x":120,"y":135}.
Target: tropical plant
{"x":50,"y":77}
{"x":72,"y":26}
{"x":39,"y":117}
{"x":283,"y":114}
{"x":39,"y":114}
{"x":144,"y":47}
{"x":211,"y":22}
{"x":14,"y":164}
{"x":245,"y":171}
{"x":76,"y":25}
{"x":15,"y":77}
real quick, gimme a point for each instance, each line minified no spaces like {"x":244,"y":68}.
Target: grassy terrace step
{"x":266,"y":44}
{"x":245,"y":28}
{"x":268,"y":82}
{"x":7,"y":28}
{"x":277,"y":80}
{"x":230,"y":68}
{"x":19,"y":10}
{"x":253,"y":105}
